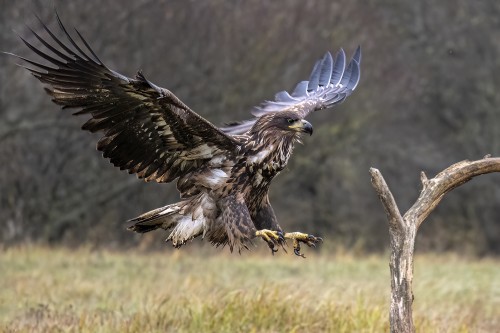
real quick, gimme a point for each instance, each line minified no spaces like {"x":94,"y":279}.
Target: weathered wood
{"x":434,"y":189}
{"x":387,"y":199}
{"x":402,"y":240}
{"x":403,"y":229}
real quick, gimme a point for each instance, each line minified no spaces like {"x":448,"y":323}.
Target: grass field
{"x":205,"y":290}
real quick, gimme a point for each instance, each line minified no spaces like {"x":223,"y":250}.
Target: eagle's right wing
{"x":147,"y":129}
{"x":330,"y":82}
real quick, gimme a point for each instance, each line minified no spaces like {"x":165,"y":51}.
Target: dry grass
{"x":59,"y":290}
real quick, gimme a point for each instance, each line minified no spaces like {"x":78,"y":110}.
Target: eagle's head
{"x":287,"y":123}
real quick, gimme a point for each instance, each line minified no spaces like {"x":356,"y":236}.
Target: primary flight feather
{"x":223,"y":174}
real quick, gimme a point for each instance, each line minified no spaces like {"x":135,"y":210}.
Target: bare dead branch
{"x":403,"y":230}
{"x":387,"y":199}
{"x":445,"y":181}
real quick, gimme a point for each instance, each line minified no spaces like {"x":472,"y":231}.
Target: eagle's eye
{"x":290,"y":120}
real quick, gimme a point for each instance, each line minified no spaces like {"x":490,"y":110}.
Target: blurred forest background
{"x":427,"y":99}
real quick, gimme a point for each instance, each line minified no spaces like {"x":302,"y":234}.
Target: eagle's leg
{"x":299,"y":237}
{"x":272,"y":238}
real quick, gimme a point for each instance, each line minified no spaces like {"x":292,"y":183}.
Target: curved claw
{"x":296,"y":250}
{"x":271,"y":246}
{"x":281,"y":237}
{"x":282,"y":240}
{"x":312,"y":240}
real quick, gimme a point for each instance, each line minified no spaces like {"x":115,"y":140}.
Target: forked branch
{"x":434,"y":189}
{"x":403,"y":229}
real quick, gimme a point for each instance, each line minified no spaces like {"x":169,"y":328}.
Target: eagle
{"x":223,"y":173}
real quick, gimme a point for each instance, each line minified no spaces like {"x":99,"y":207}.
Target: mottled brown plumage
{"x":223,"y":174}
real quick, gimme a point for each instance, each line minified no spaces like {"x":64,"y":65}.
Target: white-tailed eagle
{"x":223,"y":174}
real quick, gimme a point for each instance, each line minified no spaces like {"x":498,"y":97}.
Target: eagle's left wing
{"x":147,"y":129}
{"x":330,"y":82}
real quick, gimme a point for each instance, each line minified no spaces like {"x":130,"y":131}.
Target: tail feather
{"x":144,"y":228}
{"x":157,"y":218}
{"x":186,"y":219}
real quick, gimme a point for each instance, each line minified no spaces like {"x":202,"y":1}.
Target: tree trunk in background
{"x":403,"y":229}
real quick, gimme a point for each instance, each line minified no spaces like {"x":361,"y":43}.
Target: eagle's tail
{"x":157,"y":218}
{"x":186,"y":219}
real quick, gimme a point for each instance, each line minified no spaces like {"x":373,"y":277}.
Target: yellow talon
{"x":298,"y":237}
{"x":271,"y":237}
{"x":267,"y":234}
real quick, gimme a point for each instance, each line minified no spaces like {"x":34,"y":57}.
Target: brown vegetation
{"x":52,"y":290}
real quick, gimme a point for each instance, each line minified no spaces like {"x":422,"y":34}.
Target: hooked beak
{"x":302,"y":126}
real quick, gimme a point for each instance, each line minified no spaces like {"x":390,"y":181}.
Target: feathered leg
{"x":234,"y":225}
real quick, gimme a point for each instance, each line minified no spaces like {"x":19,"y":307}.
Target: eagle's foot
{"x":299,"y":237}
{"x":272,"y":238}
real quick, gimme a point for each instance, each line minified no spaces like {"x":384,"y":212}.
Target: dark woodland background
{"x":428,"y":98}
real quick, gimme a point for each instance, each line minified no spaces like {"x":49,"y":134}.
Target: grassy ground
{"x":211,"y":291}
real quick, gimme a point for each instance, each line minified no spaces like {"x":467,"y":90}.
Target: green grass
{"x":204,"y":290}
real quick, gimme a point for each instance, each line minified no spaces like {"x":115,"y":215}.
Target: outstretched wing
{"x":329,"y":83}
{"x":147,"y":129}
